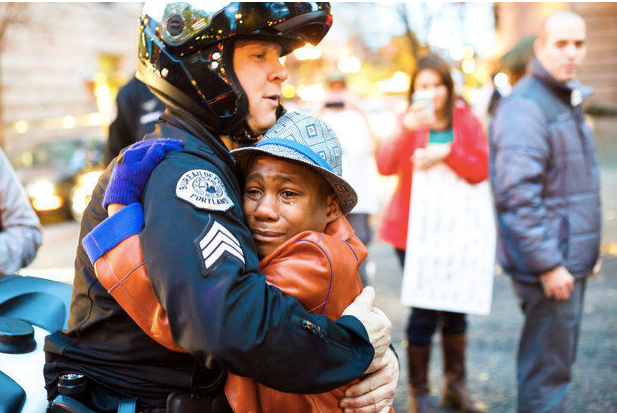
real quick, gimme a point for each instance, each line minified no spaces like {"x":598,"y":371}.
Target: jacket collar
{"x":572,"y":93}
{"x":196,"y":135}
{"x":340,"y":228}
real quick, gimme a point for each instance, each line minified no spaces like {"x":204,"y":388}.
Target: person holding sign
{"x":438,"y":128}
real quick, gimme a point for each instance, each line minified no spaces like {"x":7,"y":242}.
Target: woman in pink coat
{"x":464,"y":148}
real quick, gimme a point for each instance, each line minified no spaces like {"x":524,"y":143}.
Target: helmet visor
{"x":210,"y":22}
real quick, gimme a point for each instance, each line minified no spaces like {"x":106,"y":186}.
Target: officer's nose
{"x":277,"y":72}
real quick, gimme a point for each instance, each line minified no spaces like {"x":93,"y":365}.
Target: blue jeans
{"x":423,"y":322}
{"x":547,"y":347}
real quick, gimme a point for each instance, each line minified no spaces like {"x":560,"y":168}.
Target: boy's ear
{"x":334,"y":208}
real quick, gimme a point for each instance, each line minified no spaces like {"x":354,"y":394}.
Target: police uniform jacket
{"x":203,"y":267}
{"x":318,"y":269}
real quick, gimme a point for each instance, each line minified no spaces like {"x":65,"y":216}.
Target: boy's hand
{"x":133,"y":168}
{"x":113,"y":208}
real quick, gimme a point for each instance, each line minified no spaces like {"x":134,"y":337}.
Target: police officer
{"x":137,"y":111}
{"x":219,"y":74}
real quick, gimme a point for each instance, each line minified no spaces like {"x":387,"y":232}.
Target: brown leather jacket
{"x":321,"y":271}
{"x":318,"y":269}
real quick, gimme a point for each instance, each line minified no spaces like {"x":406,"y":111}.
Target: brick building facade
{"x":52,"y":62}
{"x":518,"y":20}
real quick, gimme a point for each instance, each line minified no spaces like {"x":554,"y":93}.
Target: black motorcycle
{"x":30,"y":308}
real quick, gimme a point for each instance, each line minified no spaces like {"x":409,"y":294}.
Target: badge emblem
{"x":203,"y":189}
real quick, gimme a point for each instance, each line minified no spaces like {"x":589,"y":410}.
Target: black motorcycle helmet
{"x":185,"y":53}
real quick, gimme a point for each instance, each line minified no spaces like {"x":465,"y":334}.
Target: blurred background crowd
{"x":63,"y":64}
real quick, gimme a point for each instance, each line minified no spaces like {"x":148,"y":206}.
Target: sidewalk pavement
{"x":493,"y":340}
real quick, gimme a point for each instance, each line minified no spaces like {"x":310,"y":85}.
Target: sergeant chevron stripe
{"x":217,"y":241}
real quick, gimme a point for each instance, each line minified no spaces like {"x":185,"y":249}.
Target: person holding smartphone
{"x":342,"y":112}
{"x":438,"y":127}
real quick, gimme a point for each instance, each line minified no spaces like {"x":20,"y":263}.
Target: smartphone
{"x":424,"y":98}
{"x":335,"y":104}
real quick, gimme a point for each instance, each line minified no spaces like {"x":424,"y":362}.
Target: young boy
{"x":294,"y":202}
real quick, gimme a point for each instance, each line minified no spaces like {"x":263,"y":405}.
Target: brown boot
{"x":455,"y":395}
{"x":417,"y":361}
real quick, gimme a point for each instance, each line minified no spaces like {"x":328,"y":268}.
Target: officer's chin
{"x":260,"y":125}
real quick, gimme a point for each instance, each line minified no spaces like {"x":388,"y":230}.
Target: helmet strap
{"x":246,"y":137}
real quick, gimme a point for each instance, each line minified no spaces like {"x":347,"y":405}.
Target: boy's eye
{"x":288,"y":195}
{"x":252,"y":193}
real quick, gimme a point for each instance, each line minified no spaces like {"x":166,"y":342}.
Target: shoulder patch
{"x":215,"y":243}
{"x":203,"y":189}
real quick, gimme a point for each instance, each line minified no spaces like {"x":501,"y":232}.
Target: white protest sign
{"x":450,"y":257}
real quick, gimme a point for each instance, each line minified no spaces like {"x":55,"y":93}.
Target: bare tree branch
{"x":414,"y":43}
{"x":11,"y":14}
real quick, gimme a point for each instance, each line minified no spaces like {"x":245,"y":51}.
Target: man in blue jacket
{"x":544,"y":176}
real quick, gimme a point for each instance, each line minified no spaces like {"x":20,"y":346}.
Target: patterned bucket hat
{"x":304,"y":139}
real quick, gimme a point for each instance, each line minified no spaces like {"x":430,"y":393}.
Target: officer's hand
{"x":557,"y":283}
{"x":375,"y":392}
{"x":133,"y":168}
{"x":374,"y":320}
